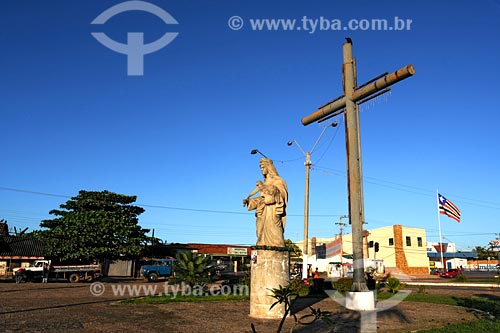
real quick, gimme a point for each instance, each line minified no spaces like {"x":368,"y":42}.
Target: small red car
{"x":451,"y":273}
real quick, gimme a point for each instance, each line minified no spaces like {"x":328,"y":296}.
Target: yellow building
{"x":403,"y":249}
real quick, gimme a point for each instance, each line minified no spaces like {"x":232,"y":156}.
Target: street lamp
{"x":307,"y":163}
{"x":256,"y":151}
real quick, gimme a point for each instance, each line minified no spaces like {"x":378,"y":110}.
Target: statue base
{"x":270,"y":269}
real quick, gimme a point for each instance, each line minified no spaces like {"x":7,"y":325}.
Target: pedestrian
{"x":45,"y":272}
{"x":19,"y":275}
{"x":316,"y":274}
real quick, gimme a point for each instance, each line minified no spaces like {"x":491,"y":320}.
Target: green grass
{"x":473,"y":326}
{"x":491,"y":306}
{"x":482,"y":325}
{"x":185,"y":298}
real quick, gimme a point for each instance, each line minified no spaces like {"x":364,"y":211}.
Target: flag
{"x":334,"y":248}
{"x":447,"y":208}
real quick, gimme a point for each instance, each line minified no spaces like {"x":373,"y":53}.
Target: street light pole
{"x":341,"y":224}
{"x":306,"y":218}
{"x":305,"y":246}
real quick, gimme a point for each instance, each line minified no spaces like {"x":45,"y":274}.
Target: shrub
{"x":394,"y":285}
{"x":343,"y":284}
{"x":192,"y":269}
{"x":301,"y":286}
{"x":421,"y":289}
{"x":461,"y":278}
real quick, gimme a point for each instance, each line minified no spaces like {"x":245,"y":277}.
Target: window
{"x":419,"y":241}
{"x":391,"y":241}
{"x":408,"y":241}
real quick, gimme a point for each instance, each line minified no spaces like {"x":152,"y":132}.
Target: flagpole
{"x":439,"y":227}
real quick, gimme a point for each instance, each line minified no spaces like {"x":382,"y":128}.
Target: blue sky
{"x":179,"y":136}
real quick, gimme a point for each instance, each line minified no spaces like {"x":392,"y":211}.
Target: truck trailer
{"x":72,"y":273}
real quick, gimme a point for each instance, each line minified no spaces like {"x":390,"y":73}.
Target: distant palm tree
{"x":21,"y":232}
{"x":192,"y":269}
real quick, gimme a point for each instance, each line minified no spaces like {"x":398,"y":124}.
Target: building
{"x":402,"y":249}
{"x":445,"y":255}
{"x":234,"y":257}
{"x":18,"y":251}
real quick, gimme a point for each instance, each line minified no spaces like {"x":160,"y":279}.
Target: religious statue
{"x":270,"y":206}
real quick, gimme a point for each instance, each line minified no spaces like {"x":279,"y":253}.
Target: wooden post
{"x":354,"y":175}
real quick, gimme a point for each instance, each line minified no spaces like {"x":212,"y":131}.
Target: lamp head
{"x":289,"y":143}
{"x":334,"y":124}
{"x":254,"y":151}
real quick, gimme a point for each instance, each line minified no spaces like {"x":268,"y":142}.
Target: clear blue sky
{"x":179,"y":136}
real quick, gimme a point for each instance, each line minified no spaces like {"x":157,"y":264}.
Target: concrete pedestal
{"x":270,"y":269}
{"x":360,"y":300}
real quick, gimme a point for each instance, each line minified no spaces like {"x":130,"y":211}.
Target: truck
{"x":159,"y":268}
{"x":72,"y":273}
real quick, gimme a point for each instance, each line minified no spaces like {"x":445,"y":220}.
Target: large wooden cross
{"x":348,"y":104}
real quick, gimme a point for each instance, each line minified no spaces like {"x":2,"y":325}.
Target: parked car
{"x":158,"y":268}
{"x":451,"y":273}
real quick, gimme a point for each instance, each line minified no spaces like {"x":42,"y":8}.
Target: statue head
{"x":267,"y":167}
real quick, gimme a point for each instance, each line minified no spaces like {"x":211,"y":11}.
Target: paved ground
{"x":65,"y":307}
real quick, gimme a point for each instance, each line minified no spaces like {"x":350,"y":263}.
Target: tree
{"x":20,"y":232}
{"x":94,"y":225}
{"x":295,"y":251}
{"x":483,"y":253}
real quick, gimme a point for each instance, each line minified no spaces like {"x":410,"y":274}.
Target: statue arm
{"x":253,"y":203}
{"x":254,"y":191}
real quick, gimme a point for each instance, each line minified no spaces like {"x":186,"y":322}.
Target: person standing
{"x":45,"y":272}
{"x":19,"y":275}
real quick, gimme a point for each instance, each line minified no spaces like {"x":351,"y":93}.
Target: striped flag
{"x":334,"y":248}
{"x":447,"y":208}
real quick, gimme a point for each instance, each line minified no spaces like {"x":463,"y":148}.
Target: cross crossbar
{"x":359,"y":94}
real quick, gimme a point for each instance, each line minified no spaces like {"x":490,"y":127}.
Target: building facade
{"x":402,"y":249}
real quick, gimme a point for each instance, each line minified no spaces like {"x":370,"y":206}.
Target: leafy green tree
{"x":295,"y":251}
{"x":94,"y":225}
{"x":192,"y":269}
{"x":483,"y":253}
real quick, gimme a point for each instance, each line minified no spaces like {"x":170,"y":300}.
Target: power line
{"x":414,"y":189}
{"x":34,"y":192}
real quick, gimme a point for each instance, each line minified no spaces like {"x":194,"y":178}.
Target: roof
{"x":464,"y":255}
{"x":15,"y":247}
